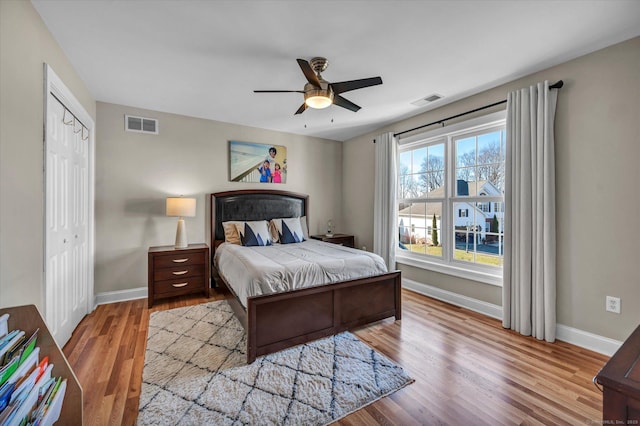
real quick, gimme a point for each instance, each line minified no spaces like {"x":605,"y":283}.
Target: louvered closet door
{"x":66,"y":222}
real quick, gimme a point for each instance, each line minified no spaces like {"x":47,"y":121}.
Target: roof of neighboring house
{"x":476,"y":187}
{"x":473,"y":189}
{"x":422,"y":209}
{"x":429,"y":209}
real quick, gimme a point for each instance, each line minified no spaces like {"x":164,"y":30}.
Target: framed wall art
{"x":257,"y":162}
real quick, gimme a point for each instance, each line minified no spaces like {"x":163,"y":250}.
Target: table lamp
{"x":181,"y":207}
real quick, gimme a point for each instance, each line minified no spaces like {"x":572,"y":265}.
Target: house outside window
{"x":451,"y":199}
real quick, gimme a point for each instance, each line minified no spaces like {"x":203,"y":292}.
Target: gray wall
{"x":25,"y":44}
{"x":136,"y":172}
{"x":597,"y":172}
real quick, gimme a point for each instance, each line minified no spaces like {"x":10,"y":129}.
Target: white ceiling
{"x":205,"y":58}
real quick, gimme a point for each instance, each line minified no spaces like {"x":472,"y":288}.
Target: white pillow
{"x":289,"y":230}
{"x":255,"y":233}
{"x":305,"y":228}
{"x":230,"y":232}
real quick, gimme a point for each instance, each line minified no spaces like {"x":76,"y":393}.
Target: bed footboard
{"x":278,"y":321}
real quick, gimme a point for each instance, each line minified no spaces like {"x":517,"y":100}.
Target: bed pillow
{"x":254,"y":233}
{"x":305,"y":228}
{"x":274,"y":232}
{"x":288,"y":230}
{"x":231,"y":232}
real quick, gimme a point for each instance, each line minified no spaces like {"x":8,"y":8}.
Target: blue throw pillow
{"x":289,"y":230}
{"x":254,"y":233}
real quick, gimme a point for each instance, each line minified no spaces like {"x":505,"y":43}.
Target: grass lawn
{"x":481,"y":258}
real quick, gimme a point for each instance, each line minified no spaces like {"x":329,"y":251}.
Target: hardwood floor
{"x":467,"y":368}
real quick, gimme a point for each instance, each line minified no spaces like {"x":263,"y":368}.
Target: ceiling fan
{"x":319,"y":93}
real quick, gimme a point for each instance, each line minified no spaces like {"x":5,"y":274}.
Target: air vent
{"x":426,"y":100}
{"x":140,"y":124}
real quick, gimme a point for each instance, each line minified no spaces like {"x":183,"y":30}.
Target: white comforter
{"x":254,"y":271}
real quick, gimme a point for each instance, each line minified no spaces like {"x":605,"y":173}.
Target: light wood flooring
{"x":467,"y":368}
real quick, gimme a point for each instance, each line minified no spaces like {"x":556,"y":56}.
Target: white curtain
{"x":385,"y":231}
{"x":529,"y":291}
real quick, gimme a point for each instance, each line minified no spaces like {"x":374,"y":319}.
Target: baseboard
{"x":485,"y":308}
{"x":121,"y":295}
{"x":584,"y":339}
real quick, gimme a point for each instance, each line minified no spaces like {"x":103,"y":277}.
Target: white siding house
{"x":415,"y":221}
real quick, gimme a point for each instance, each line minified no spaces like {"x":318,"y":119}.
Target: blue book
{"x":5,"y":394}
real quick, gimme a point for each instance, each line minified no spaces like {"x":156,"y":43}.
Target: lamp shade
{"x":181,"y":207}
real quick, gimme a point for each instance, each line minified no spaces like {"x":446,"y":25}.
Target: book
{"x":6,"y":391}
{"x":4,"y":324}
{"x":10,"y":345}
{"x":6,"y":340}
{"x":8,"y":370}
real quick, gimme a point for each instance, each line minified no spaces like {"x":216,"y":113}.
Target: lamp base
{"x":181,"y":235}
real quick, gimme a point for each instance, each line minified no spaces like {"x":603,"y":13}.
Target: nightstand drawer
{"x":179,"y":272}
{"x":178,"y":286}
{"x":178,"y":259}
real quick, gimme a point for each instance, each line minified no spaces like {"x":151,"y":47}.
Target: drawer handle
{"x":180,"y":260}
{"x":178,"y":285}
{"x":180,"y":272}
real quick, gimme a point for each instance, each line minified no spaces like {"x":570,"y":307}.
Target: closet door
{"x":67,"y":198}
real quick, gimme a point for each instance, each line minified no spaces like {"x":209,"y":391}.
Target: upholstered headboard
{"x":253,"y":204}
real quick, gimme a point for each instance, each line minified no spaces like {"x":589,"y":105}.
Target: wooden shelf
{"x":27,"y":318}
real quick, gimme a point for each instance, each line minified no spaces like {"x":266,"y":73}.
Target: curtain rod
{"x":558,"y":84}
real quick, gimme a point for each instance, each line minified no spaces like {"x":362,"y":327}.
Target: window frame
{"x":446,"y":263}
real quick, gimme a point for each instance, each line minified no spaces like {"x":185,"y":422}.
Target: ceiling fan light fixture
{"x":318,"y":98}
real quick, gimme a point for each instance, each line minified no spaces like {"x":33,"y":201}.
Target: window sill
{"x":429,"y":265}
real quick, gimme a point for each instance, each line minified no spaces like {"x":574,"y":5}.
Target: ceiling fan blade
{"x":300,"y":110}
{"x":278,"y":91}
{"x":344,"y":103}
{"x":308,"y":72}
{"x":345,"y":86}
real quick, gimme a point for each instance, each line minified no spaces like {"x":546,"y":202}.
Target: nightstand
{"x":341,"y":239}
{"x":176,"y":272}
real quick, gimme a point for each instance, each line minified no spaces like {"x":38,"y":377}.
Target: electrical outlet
{"x":613,"y":304}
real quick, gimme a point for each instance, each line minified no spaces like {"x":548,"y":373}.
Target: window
{"x":451,"y":199}
{"x":485,"y":207}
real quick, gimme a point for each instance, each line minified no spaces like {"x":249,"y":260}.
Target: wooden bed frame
{"x":277,"y":321}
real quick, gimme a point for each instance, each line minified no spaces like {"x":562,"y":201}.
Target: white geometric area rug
{"x":195,"y":373}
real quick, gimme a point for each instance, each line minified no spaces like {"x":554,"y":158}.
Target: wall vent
{"x":427,"y":99}
{"x":140,"y":124}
